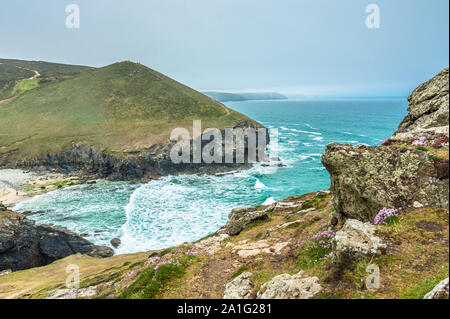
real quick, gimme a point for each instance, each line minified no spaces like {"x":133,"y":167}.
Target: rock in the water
{"x":241,"y":217}
{"x":438,"y":292}
{"x":116,"y":242}
{"x":25,"y":245}
{"x":355,"y":240}
{"x":88,"y":292}
{"x":290,"y":287}
{"x":239,"y":288}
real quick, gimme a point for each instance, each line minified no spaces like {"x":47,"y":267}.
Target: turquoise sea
{"x":173,"y":210}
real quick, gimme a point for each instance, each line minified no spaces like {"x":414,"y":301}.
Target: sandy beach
{"x":17,"y":185}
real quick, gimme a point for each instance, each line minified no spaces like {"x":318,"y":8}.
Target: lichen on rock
{"x":240,"y":287}
{"x":286,"y":286}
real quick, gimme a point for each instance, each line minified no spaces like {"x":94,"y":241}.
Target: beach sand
{"x":13,"y":182}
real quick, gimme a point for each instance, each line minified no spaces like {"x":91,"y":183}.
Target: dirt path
{"x":36,"y":75}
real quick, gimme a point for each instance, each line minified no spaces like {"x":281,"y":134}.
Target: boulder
{"x":286,"y":286}
{"x":357,"y":239}
{"x":239,"y":288}
{"x":116,"y":242}
{"x":23,"y":244}
{"x":241,"y":217}
{"x":438,"y":292}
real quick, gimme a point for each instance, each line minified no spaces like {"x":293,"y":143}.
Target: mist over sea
{"x":173,"y":210}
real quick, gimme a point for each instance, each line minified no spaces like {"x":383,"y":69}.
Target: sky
{"x":305,"y":47}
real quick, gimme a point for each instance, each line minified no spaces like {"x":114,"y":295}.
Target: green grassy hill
{"x":122,"y":106}
{"x":15,"y":75}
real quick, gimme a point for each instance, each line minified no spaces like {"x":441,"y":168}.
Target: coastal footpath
{"x":381,"y":231}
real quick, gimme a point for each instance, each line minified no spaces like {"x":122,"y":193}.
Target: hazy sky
{"x":319,"y":47}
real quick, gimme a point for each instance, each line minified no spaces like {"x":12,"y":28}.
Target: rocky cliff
{"x":149,"y":163}
{"x":409,"y":170}
{"x":25,"y":245}
{"x":428,"y":107}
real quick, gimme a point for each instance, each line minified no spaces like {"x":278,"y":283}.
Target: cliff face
{"x":151,"y":163}
{"x":25,"y":245}
{"x":409,"y":170}
{"x":428,"y":107}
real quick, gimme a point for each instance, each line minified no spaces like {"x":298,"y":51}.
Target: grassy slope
{"x":13,"y":73}
{"x":121,"y":106}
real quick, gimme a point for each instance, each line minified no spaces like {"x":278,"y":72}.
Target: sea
{"x":177,"y":209}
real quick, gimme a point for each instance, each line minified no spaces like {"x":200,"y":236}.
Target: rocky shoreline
{"x":136,"y":164}
{"x":23,"y":244}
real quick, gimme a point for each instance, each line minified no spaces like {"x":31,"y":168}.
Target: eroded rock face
{"x":25,"y":245}
{"x":290,"y":287}
{"x":366,"y":179}
{"x":438,"y":292}
{"x":428,"y":105}
{"x":357,"y":239}
{"x":239,"y":288}
{"x":135,"y":164}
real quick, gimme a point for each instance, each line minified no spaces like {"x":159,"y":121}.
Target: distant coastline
{"x":235,"y":97}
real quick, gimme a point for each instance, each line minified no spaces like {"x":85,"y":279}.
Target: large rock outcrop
{"x":401,"y":172}
{"x":428,"y":106}
{"x":366,"y":179}
{"x":25,"y":245}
